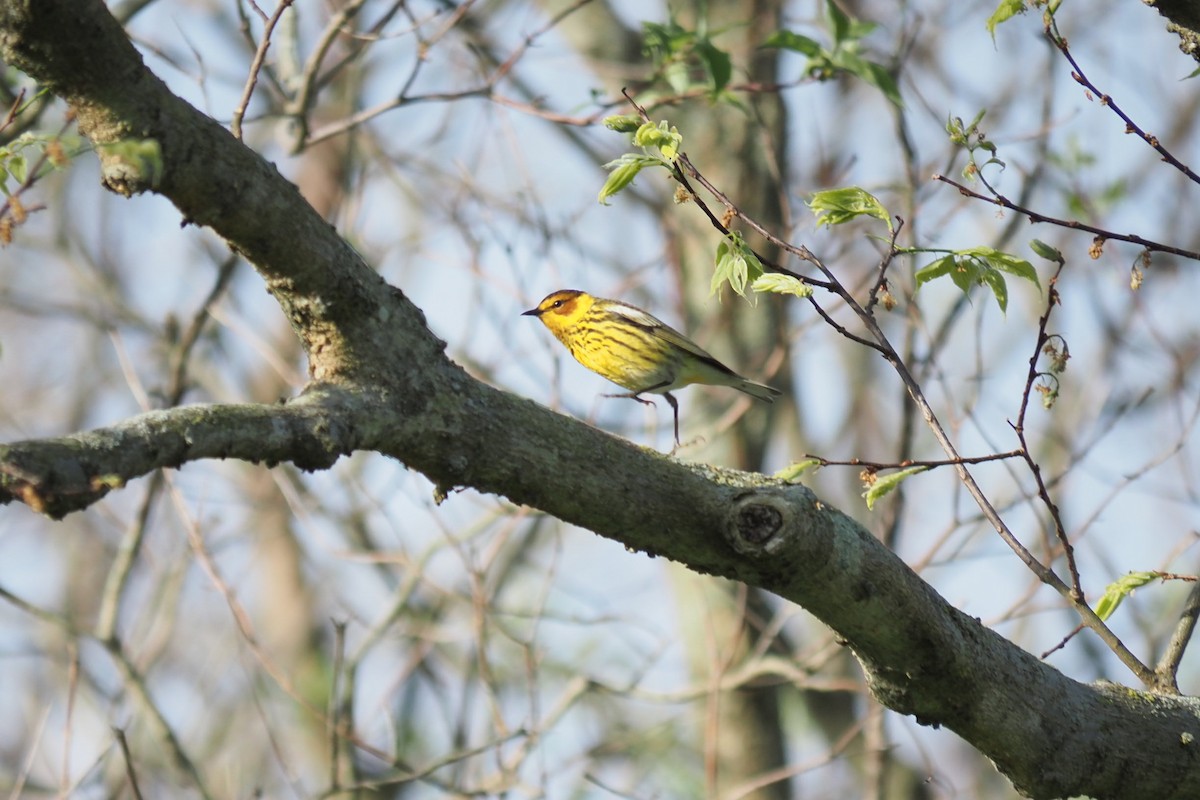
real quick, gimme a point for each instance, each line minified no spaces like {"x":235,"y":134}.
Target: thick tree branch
{"x":384,"y":383}
{"x":1184,"y":16}
{"x":57,"y":476}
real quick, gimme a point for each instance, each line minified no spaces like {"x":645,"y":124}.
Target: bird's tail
{"x":766,"y":393}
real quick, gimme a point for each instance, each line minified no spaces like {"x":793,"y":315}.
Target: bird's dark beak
{"x":533,"y":312}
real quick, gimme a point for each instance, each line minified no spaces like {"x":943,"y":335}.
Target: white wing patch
{"x":636,"y":315}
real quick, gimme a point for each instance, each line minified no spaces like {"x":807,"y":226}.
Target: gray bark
{"x":380,"y":381}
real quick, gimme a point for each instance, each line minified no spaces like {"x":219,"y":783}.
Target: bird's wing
{"x":662,"y":330}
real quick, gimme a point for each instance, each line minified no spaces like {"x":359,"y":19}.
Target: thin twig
{"x":128,"y":758}
{"x":260,"y":55}
{"x":334,"y":713}
{"x":181,"y":353}
{"x":1060,"y":531}
{"x":131,"y":542}
{"x":13,"y":110}
{"x":1062,"y":642}
{"x":1105,"y":100}
{"x":134,"y":683}
{"x":33,"y":742}
{"x":301,"y":104}
{"x":1000,"y":200}
{"x":69,"y":724}
{"x":1168,"y":665}
{"x":486,"y":90}
{"x":881,"y":280}
{"x":947,"y":462}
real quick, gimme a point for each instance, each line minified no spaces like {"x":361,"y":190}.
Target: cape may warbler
{"x":634,"y":349}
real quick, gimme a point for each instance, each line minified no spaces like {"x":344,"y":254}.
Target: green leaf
{"x":18,"y":167}
{"x":717,"y":65}
{"x":793,"y":472}
{"x":888,"y":483}
{"x":1118,"y":590}
{"x":965,"y":274}
{"x":793,"y":41}
{"x":667,"y":139}
{"x":1046,"y":251}
{"x":839,"y":23}
{"x":971,"y":137}
{"x":980,"y":265}
{"x":879,"y":77}
{"x":678,"y":76}
{"x":848,"y":60}
{"x":679,"y":53}
{"x":994,"y":280}
{"x":835,"y":206}
{"x":824,"y":64}
{"x":623,"y":123}
{"x":1003,"y":13}
{"x":738,"y":272}
{"x":954,"y":127}
{"x":722,"y":269}
{"x":736,"y":265}
{"x":663,"y":42}
{"x":779,"y":283}
{"x":860,"y":28}
{"x":1005,"y":262}
{"x":622,"y":172}
{"x":936,"y":269}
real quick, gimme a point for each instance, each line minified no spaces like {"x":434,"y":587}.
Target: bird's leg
{"x":638,"y":396}
{"x":632,"y":396}
{"x":675,"y":410}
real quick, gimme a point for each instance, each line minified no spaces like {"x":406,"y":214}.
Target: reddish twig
{"x":1000,"y":200}
{"x":1105,"y":100}
{"x":881,"y":281}
{"x":1060,"y":531}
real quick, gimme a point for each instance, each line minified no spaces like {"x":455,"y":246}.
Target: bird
{"x":634,"y":349}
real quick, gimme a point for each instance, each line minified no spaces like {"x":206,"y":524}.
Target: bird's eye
{"x":557,"y":304}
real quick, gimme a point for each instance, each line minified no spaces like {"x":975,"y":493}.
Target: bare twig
{"x":1105,"y":100}
{"x":334,"y":720}
{"x":904,"y":464}
{"x":69,"y":726}
{"x":301,"y":104}
{"x":135,"y":684}
{"x":181,"y":353}
{"x":1052,"y":299}
{"x":130,"y":773}
{"x":1168,"y":665}
{"x":34,"y":740}
{"x":998,"y":199}
{"x":131,"y":543}
{"x":260,"y":55}
{"x":487,"y":89}
{"x":1063,"y":642}
{"x":881,"y":281}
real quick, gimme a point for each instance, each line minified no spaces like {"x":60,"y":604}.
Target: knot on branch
{"x":131,"y":166}
{"x":755,"y":522}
